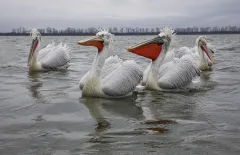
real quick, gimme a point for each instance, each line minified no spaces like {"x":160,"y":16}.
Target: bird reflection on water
{"x":35,"y":85}
{"x":206,"y":117}
{"x":103,"y":110}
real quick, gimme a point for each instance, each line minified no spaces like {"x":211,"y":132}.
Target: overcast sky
{"x":120,"y":13}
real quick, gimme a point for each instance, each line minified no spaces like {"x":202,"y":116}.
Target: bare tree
{"x":13,"y":30}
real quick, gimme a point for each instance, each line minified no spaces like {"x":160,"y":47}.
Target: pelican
{"x":201,"y":51}
{"x":168,"y":69}
{"x":49,"y":58}
{"x":111,"y":77}
{"x":204,"y":53}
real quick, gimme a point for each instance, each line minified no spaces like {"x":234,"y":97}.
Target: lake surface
{"x":44,"y":113}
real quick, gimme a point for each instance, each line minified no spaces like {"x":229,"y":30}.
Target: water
{"x":44,"y":113}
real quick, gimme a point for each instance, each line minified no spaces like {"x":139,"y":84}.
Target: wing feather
{"x":178,"y":73}
{"x":176,"y":53}
{"x":54,"y":57}
{"x":43,"y":52}
{"x":110,"y":64}
{"x":123,"y":79}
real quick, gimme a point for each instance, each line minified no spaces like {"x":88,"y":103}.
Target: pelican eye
{"x":158,"y":40}
{"x":204,"y":43}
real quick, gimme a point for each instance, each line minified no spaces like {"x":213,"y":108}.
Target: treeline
{"x":127,"y":31}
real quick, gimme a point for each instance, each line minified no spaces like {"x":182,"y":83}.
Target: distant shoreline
{"x":122,"y":34}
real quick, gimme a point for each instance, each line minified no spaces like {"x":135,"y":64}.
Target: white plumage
{"x":180,"y":66}
{"x":51,"y":57}
{"x":171,"y":69}
{"x":54,"y":58}
{"x":196,"y":54}
{"x":122,"y":78}
{"x":177,"y":73}
{"x":112,"y":78}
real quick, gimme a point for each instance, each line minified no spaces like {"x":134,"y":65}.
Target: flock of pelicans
{"x":111,"y":77}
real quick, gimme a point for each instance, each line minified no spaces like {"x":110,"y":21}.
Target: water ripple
{"x":41,"y":113}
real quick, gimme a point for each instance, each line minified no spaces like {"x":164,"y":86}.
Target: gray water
{"x":44,"y":113}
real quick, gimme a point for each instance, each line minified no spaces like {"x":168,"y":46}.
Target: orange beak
{"x":148,"y":49}
{"x":207,"y":53}
{"x":32,"y":50}
{"x":96,"y":41}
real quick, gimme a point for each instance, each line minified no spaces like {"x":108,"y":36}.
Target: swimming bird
{"x":168,"y":69}
{"x":111,"y":77}
{"x":52,"y":57}
{"x":202,"y":51}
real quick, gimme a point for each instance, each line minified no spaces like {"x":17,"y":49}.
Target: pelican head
{"x":152,"y":48}
{"x":100,"y":40}
{"x":201,"y":43}
{"x":36,"y":38}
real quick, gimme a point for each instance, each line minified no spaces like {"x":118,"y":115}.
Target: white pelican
{"x":49,"y":58}
{"x":202,"y":52}
{"x":110,"y":78}
{"x":168,"y":70}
